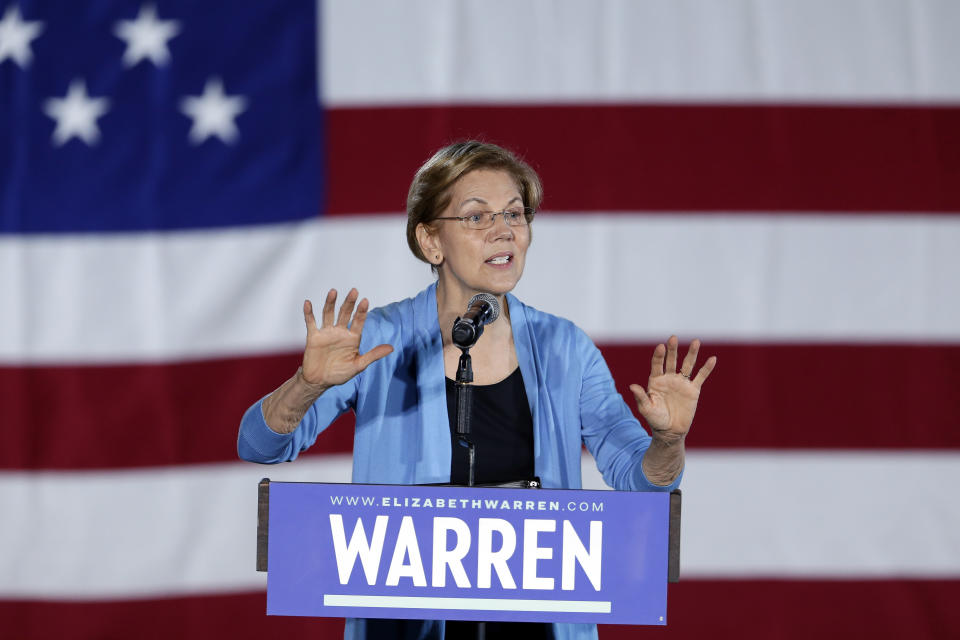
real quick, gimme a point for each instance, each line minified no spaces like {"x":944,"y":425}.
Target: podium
{"x":467,"y":553}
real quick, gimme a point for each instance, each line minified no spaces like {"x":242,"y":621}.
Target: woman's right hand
{"x":332,"y":355}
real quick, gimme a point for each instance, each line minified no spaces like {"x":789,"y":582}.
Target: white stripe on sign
{"x":469,"y":604}
{"x":189,"y":295}
{"x":745,"y":514}
{"x":501,"y":51}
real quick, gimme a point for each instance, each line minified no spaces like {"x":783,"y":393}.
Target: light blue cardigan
{"x":402,"y":433}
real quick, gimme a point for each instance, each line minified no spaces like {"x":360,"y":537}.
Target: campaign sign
{"x":458,"y":553}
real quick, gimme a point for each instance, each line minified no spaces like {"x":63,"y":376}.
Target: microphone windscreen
{"x":489,"y":299}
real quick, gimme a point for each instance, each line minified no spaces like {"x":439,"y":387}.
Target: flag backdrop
{"x":781,"y":179}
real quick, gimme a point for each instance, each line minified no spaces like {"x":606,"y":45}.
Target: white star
{"x":76,"y":114}
{"x":15,"y":37}
{"x":213,"y":113}
{"x":146,"y":37}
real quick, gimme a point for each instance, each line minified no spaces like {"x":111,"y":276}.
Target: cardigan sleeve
{"x":609,"y":429}
{"x":257,"y":442}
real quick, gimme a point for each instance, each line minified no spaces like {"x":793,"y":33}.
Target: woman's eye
{"x":512,"y":215}
{"x":475,"y":218}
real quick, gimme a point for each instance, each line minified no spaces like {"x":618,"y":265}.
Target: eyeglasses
{"x":514,"y":217}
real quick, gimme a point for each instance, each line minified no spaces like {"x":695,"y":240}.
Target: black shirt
{"x":501,"y":429}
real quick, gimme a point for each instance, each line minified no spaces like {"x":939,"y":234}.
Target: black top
{"x":501,"y":429}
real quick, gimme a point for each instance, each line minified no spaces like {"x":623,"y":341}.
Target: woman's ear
{"x":429,"y":244}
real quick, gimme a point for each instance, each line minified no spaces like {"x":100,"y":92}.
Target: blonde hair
{"x":429,"y":192}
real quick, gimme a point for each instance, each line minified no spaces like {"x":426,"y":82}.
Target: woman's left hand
{"x":670,"y":399}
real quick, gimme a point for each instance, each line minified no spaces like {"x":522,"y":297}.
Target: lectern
{"x":467,"y":553}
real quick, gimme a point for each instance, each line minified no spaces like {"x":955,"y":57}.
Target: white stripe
{"x":160,"y":297}
{"x":469,"y":604}
{"x":503,"y":51}
{"x":818,"y":514}
{"x":127,"y":534}
{"x":640,"y":278}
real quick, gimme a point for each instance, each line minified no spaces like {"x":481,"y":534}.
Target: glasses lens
{"x":519,"y":216}
{"x":479,"y":221}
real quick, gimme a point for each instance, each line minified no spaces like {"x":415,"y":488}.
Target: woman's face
{"x":489,"y":260}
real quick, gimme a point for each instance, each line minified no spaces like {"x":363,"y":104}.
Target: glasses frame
{"x":528,"y":214}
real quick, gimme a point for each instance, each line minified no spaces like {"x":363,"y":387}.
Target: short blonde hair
{"x":429,"y":192}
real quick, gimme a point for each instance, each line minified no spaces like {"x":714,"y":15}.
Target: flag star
{"x":213,"y":113}
{"x":146,"y":37}
{"x":76,"y":114}
{"x":16,"y":35}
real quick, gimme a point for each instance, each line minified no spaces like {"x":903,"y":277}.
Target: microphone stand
{"x":464,"y":407}
{"x":464,"y":384}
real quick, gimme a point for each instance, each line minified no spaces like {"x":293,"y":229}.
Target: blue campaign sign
{"x":458,"y":553}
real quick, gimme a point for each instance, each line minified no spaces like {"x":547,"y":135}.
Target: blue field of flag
{"x":122,"y":116}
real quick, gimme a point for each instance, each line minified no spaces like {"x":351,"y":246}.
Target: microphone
{"x":482,"y":309}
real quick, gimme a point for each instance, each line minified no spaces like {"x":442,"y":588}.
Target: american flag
{"x":780,"y":179}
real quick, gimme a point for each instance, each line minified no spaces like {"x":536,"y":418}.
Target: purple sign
{"x":458,"y":553}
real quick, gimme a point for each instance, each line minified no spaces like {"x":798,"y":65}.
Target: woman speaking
{"x":541,"y":387}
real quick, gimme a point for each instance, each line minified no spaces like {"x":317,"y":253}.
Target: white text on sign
{"x":450,"y":544}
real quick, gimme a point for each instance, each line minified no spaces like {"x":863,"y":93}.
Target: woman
{"x":469,"y":211}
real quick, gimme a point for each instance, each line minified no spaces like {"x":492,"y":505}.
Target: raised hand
{"x":669,"y":402}
{"x":332,"y":355}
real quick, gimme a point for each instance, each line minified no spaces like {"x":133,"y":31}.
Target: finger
{"x":671,"y":364}
{"x":640,"y":395}
{"x":328,"y":305}
{"x":360,"y":318}
{"x":379,"y":351}
{"x":690,"y":359}
{"x":656,"y":363}
{"x":308,"y":318}
{"x":343,"y":319}
{"x":705,"y":371}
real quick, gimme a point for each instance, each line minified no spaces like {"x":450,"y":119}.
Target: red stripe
{"x":818,"y":396}
{"x":92,"y":417}
{"x":766,"y":396}
{"x":785,"y":610}
{"x":788,"y":609}
{"x":197,"y":618}
{"x":668,"y":157}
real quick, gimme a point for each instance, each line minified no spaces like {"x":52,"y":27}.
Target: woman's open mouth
{"x":500,"y":259}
